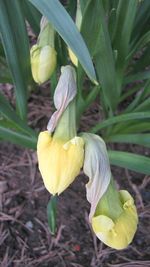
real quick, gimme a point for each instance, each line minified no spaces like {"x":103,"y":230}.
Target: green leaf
{"x":51,"y":214}
{"x":91,"y":18}
{"x":16,"y":46}
{"x":141,"y":20}
{"x":65,"y":26}
{"x":7,"y":112}
{"x":144,"y":40}
{"x":130,"y":91}
{"x":105,"y":63}
{"x":120,"y":119}
{"x":5,"y":76}
{"x":144,"y":75}
{"x":32,"y":14}
{"x":83,"y":4}
{"x":136,"y":127}
{"x":138,"y":103}
{"x":71,"y":8}
{"x":17,"y":137}
{"x":144,"y":106}
{"x":142,"y":63}
{"x":125,"y":15}
{"x":139,"y":139}
{"x":130,"y":161}
{"x":83,"y":104}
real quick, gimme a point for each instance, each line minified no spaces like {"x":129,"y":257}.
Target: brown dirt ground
{"x":25,"y":239}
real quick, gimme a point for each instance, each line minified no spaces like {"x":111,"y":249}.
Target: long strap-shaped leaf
{"x":126,"y":11}
{"x":130,"y":161}
{"x":141,"y":20}
{"x":136,"y":127}
{"x":7,"y":112}
{"x":32,"y":15}
{"x":120,"y":119}
{"x":139,"y":139}
{"x":105,"y":62}
{"x":63,"y":23}
{"x":5,"y":76}
{"x":17,"y":137}
{"x":15,"y":42}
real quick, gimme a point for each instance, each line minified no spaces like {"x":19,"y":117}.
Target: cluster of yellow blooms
{"x":62,"y":154}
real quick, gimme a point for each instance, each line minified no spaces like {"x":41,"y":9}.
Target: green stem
{"x":66,"y":128}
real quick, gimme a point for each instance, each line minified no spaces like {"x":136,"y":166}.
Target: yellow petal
{"x":102,"y":223}
{"x":73,"y":57}
{"x":120,"y":234}
{"x":58,"y":165}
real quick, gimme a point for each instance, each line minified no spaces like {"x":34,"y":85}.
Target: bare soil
{"x":25,"y":239}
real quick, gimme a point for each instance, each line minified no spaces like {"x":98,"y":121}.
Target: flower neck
{"x":66,"y":127}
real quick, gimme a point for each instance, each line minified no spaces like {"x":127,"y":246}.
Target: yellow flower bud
{"x":116,"y":226}
{"x":73,"y":57}
{"x":43,"y":62}
{"x":59,"y":161}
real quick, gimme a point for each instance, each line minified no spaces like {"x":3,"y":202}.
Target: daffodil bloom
{"x":60,"y":151}
{"x":43,"y":62}
{"x":59,"y":161}
{"x":113,"y":215}
{"x":115,"y":220}
{"x":43,"y":55}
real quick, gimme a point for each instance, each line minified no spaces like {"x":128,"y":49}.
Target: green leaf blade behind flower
{"x":15,"y":137}
{"x":15,"y":41}
{"x":105,"y":63}
{"x":9,"y":114}
{"x":120,"y":118}
{"x":139,"y":139}
{"x":130,"y":161}
{"x":65,"y":26}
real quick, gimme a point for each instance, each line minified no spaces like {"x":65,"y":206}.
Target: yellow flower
{"x":43,"y":62}
{"x":59,"y":161}
{"x":116,"y":228}
{"x":60,"y":151}
{"x":113,"y":215}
